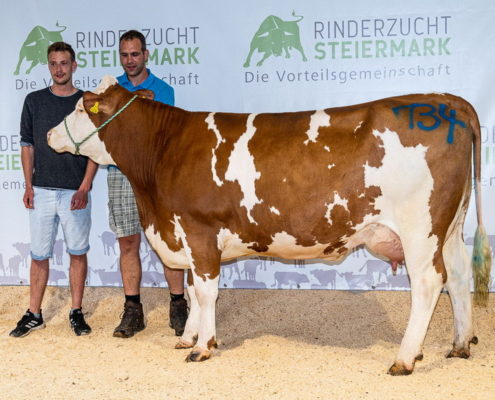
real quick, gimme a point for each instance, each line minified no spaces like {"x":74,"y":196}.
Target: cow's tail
{"x":61,"y":26}
{"x":297,"y":16}
{"x":482,"y":257}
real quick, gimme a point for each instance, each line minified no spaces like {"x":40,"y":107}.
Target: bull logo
{"x":35,"y":46}
{"x":275,"y":36}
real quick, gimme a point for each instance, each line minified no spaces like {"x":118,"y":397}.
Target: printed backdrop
{"x":257,"y":56}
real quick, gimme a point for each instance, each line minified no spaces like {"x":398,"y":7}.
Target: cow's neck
{"x":139,"y":143}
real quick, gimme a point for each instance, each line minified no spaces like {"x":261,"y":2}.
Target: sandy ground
{"x":272,"y":345}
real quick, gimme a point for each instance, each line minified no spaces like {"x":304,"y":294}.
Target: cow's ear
{"x":93,"y":103}
{"x":147,"y":94}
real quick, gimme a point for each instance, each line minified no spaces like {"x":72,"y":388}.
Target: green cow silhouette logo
{"x":35,"y":46}
{"x":274,"y":36}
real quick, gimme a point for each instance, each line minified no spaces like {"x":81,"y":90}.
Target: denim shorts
{"x":52,"y":206}
{"x":123,"y":214}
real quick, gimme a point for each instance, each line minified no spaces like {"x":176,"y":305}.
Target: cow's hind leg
{"x":458,"y":280}
{"x":426,"y":284}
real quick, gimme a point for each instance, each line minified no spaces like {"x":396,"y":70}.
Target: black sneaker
{"x":27,"y":324}
{"x":132,"y":320}
{"x":77,"y":323}
{"x":178,"y":315}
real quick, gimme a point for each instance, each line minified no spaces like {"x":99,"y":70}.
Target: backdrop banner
{"x":258,"y":56}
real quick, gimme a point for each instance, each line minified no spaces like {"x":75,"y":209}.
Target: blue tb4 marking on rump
{"x":432,"y":117}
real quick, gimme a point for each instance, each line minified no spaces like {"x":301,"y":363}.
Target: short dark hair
{"x":133,"y":34}
{"x":61,"y":46}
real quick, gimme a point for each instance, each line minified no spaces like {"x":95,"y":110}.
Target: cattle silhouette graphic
{"x":14,"y":263}
{"x":249,"y":273}
{"x":55,"y":275}
{"x":357,"y":281}
{"x":11,"y":270}
{"x":108,"y":278}
{"x":232,"y":268}
{"x":293,"y":279}
{"x":58,"y":251}
{"x":153,"y":261}
{"x":249,"y":269}
{"x":247,"y":284}
{"x":376,"y":270}
{"x":24,"y":250}
{"x":144,"y":243}
{"x":2,"y":267}
{"x":108,"y":239}
{"x":398,"y":282}
{"x":36,"y":44}
{"x":152,"y":278}
{"x":275,"y":36}
{"x":325,"y":278}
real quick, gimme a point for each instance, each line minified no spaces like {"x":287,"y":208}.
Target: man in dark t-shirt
{"x":57,"y":190}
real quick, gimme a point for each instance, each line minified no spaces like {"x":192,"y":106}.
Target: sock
{"x":175,"y":297}
{"x":36,"y":315}
{"x":136,"y":298}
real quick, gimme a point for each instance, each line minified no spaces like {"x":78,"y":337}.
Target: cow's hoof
{"x":399,"y":369}
{"x":184,"y":344}
{"x":459,"y":353}
{"x":462,"y":352}
{"x":198,"y":355}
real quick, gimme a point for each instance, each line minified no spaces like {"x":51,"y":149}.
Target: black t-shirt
{"x":42,"y":111}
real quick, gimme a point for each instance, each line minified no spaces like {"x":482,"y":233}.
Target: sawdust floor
{"x":272,"y":345}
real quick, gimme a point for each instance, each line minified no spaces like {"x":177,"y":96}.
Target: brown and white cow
{"x":392,"y":174}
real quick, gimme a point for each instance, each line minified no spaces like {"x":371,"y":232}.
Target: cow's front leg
{"x":33,"y":64}
{"x":203,"y":255}
{"x":190,"y":335}
{"x":266,"y":54}
{"x":206,"y":291}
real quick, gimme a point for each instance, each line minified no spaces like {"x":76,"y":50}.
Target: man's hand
{"x":28,"y":198}
{"x":79,"y":200}
{"x":146,"y":93}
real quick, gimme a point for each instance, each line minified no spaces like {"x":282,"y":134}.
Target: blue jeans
{"x":52,"y":206}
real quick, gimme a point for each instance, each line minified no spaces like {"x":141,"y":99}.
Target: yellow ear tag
{"x":94,"y":109}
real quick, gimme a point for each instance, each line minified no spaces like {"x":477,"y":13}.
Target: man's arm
{"x":80,"y":198}
{"x":27,"y":160}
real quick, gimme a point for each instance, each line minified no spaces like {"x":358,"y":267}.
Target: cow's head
{"x":78,"y":134}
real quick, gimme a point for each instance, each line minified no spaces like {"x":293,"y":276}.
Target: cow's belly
{"x":379,"y":238}
{"x":283,"y":246}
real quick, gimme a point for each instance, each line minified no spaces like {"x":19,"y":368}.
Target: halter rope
{"x":78,"y":145}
